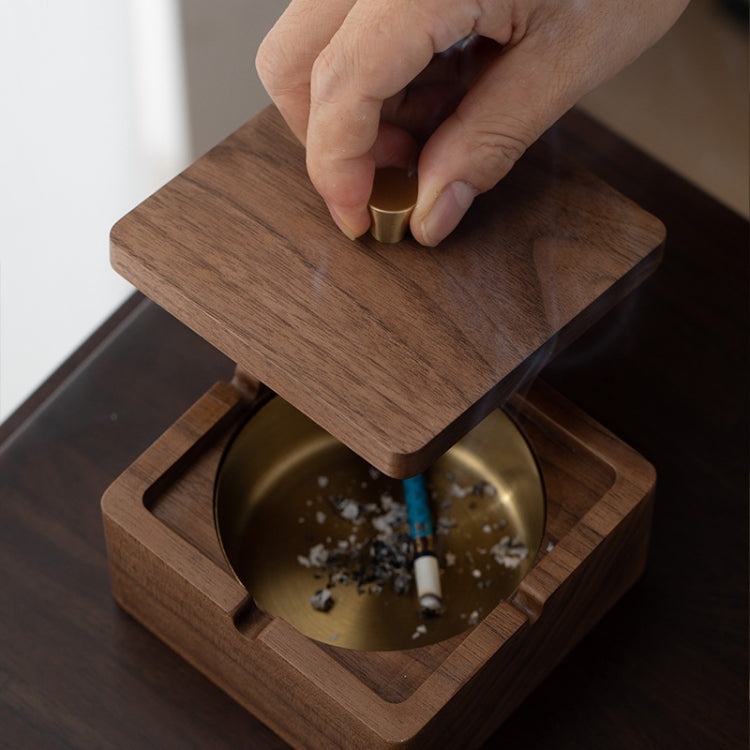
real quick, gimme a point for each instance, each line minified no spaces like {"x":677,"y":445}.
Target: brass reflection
{"x":394,"y":195}
{"x":273,"y":505}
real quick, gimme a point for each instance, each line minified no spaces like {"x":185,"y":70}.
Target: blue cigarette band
{"x":417,"y":506}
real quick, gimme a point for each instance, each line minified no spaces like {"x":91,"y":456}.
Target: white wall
{"x":96,"y":102}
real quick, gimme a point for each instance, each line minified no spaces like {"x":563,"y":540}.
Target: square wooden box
{"x":168,"y":571}
{"x":397,"y":351}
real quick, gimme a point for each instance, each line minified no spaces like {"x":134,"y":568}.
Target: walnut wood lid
{"x":395,"y":349}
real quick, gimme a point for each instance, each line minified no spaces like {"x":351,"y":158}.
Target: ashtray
{"x":360,"y":364}
{"x":300,"y":515}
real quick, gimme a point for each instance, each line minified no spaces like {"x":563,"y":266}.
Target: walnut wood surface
{"x":396,"y":350}
{"x":666,"y":371}
{"x":167,"y":570}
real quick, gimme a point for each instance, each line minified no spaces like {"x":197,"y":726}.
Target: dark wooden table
{"x":667,"y":371}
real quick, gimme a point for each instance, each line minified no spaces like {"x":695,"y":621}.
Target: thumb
{"x":507,"y":109}
{"x":565,"y":51}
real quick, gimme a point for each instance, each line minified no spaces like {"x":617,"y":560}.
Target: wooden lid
{"x":397,"y":350}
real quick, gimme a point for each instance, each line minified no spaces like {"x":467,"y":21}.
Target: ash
{"x":509,"y":553}
{"x":347,"y":508}
{"x":382,"y":558}
{"x":376,"y":552}
{"x":322,"y":600}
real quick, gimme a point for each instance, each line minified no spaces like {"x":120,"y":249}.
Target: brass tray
{"x":298,"y":513}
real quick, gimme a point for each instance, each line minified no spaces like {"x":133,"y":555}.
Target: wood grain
{"x":167,"y":570}
{"x":396,"y":350}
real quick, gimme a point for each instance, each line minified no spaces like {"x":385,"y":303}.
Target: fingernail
{"x":447,"y":211}
{"x":342,"y":225}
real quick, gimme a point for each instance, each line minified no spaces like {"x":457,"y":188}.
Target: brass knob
{"x":394,"y":195}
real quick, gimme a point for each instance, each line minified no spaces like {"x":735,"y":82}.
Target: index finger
{"x":373,"y":55}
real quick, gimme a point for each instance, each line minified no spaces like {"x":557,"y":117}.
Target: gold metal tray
{"x":297,"y":513}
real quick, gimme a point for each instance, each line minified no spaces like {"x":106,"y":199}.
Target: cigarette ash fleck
{"x":322,"y":600}
{"x":419,"y":630}
{"x":510,"y":553}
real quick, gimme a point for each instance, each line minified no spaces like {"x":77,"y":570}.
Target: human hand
{"x":459,"y":87}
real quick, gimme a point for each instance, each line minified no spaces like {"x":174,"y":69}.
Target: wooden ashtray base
{"x":168,"y":571}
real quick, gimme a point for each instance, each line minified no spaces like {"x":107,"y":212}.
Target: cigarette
{"x":426,"y":568}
